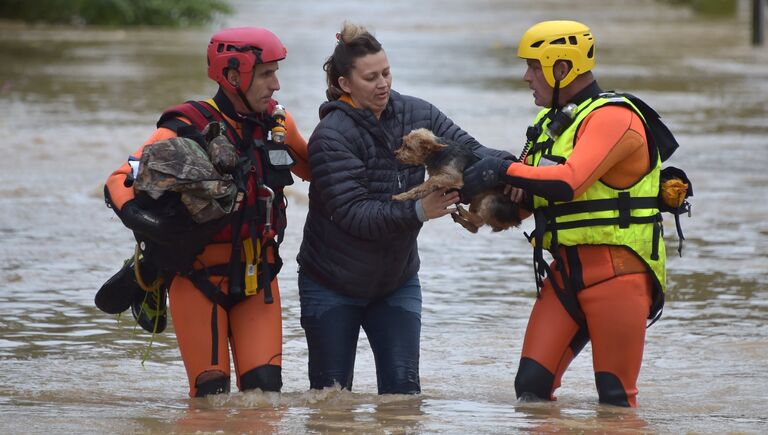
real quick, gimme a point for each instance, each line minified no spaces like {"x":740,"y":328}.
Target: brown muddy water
{"x":76,"y":102}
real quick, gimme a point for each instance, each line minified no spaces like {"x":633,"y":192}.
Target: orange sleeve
{"x":119,"y":193}
{"x":298,"y":146}
{"x":607,"y":138}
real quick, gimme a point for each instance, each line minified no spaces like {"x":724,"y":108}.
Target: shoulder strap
{"x":200,"y":114}
{"x":658,"y":133}
{"x":195,"y":111}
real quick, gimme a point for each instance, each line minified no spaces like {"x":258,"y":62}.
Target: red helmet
{"x":241,"y":48}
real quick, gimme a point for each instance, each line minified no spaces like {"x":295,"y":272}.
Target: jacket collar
{"x":365,"y":119}
{"x":364,"y":116}
{"x":225,"y":106}
{"x":592,"y":90}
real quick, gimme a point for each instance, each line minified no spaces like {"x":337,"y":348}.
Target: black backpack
{"x":675,"y":186}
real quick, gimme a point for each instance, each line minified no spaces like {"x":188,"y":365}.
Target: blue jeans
{"x":332,"y":322}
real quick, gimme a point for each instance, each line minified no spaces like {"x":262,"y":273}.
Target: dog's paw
{"x":469,"y":226}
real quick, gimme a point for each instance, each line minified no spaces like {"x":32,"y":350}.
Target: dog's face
{"x":417,"y":146}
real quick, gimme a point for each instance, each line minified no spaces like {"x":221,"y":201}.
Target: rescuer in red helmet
{"x":220,"y":275}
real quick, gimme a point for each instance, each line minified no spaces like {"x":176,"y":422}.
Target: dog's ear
{"x":422,"y":142}
{"x":433,"y":144}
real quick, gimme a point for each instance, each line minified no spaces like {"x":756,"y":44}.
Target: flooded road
{"x":78,"y":101}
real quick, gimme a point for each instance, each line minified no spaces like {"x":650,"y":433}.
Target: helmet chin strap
{"x":241,"y":94}
{"x":556,"y":95}
{"x":244,"y":99}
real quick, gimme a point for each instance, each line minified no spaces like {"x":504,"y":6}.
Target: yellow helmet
{"x":550,"y":41}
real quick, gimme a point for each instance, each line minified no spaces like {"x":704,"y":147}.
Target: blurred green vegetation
{"x":168,"y":13}
{"x":713,"y":8}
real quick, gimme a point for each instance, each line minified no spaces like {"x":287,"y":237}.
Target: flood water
{"x":76,"y":102}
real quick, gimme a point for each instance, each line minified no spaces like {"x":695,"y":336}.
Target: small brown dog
{"x":445,"y":161}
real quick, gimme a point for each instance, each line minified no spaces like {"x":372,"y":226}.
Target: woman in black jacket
{"x":359,"y":257}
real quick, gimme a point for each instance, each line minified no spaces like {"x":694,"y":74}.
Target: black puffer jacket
{"x":358,"y":241}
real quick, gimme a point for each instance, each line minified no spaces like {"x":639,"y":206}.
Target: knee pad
{"x":266,"y":378}
{"x":610,"y":390}
{"x":533,"y":381}
{"x":217,"y":385}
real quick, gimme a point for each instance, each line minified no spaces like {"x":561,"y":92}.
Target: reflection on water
{"x":77,"y":101}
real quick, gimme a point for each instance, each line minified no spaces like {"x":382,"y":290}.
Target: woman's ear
{"x":344,"y":85}
{"x":233,"y":77}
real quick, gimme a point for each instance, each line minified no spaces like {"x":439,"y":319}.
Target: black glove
{"x":144,"y":222}
{"x":491,"y":152}
{"x":482,"y":175}
{"x":509,"y":156}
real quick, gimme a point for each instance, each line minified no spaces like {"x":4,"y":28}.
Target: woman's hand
{"x":516,"y":194}
{"x":439,"y":203}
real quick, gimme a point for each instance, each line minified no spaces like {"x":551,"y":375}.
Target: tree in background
{"x":172,"y":13}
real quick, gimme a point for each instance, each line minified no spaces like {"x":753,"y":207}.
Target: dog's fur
{"x":445,"y":161}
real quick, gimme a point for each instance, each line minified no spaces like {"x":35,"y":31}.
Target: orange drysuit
{"x":251,"y":328}
{"x":616,"y":296}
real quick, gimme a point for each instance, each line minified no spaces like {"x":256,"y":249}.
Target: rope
{"x":155,"y":286}
{"x":153,"y":289}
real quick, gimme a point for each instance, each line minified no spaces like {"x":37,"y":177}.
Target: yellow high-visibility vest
{"x":602,"y":215}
